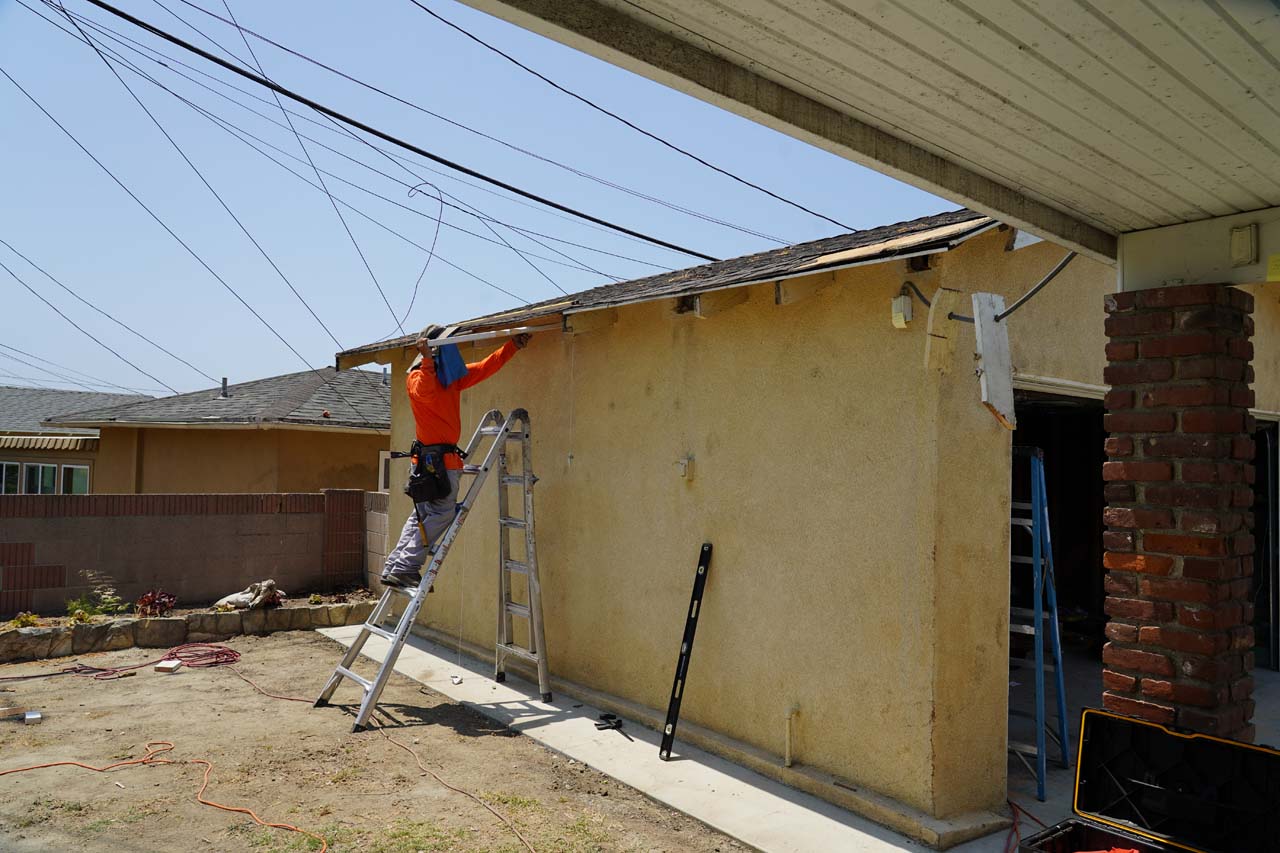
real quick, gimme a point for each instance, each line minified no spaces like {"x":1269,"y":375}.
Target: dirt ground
{"x":294,"y":764}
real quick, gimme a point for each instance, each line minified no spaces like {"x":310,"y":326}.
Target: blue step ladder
{"x":1030,"y":532}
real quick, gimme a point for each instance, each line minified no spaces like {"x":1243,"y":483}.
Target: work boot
{"x":401,"y":581}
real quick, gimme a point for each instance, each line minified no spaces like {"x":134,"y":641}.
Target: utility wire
{"x":572,"y":169}
{"x":337,"y":211}
{"x":205,"y":181}
{"x":119,"y":323}
{"x":553,"y":84}
{"x":387,"y":137}
{"x":175,"y":236}
{"x":58,"y":311}
{"x":62,"y":377}
{"x":93,"y":380}
{"x":166,"y":61}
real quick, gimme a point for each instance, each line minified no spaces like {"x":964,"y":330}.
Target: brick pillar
{"x":343,"y":555}
{"x":1179,"y":547}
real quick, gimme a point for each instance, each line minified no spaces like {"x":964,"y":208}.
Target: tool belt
{"x":428,"y":475}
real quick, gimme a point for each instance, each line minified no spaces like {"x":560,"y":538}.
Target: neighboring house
{"x":858,"y":499}
{"x":39,"y":459}
{"x":301,"y":432}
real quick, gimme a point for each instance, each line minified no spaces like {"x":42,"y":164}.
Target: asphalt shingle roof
{"x":353,"y":398}
{"x":23,"y":410}
{"x":881,"y":243}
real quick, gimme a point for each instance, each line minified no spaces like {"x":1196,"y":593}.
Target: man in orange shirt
{"x":438,"y":423}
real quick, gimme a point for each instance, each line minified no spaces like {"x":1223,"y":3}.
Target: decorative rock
{"x":160,"y":633}
{"x":278,"y":619}
{"x":360,"y":611}
{"x":25,"y":644}
{"x":254,"y":621}
{"x":300,"y":618}
{"x":60,"y":646}
{"x":320,"y":616}
{"x":338,"y":614}
{"x":102,"y":637}
{"x":212,"y":627}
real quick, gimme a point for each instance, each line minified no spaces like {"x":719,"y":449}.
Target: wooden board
{"x":940,"y":341}
{"x":995,"y":367}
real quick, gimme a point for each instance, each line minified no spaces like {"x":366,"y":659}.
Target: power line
{"x":171,"y":233}
{"x":337,"y":212}
{"x":619,"y":118}
{"x":387,"y":137}
{"x":150,"y":53}
{"x":77,"y":326}
{"x":205,"y":181}
{"x":93,"y":380}
{"x":119,"y":323}
{"x":550,"y":161}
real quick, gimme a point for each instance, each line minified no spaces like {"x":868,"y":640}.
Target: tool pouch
{"x":428,"y":476}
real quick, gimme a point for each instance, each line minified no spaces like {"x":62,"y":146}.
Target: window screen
{"x":75,"y":479}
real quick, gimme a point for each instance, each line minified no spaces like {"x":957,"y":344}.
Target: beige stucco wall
{"x":162,"y":460}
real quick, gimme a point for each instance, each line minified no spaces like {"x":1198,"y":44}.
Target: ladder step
{"x":407,"y":593}
{"x":358,"y":679}
{"x":521,"y":610}
{"x":1021,"y":522}
{"x":1026,"y":561}
{"x":518,"y":651}
{"x":512,"y":480}
{"x":1029,"y":630}
{"x":515,"y":436}
{"x":518,"y":523}
{"x":389,"y":636}
{"x":1025,"y":613}
{"x":516,"y":566}
{"x":494,"y":430}
{"x":472,"y":469}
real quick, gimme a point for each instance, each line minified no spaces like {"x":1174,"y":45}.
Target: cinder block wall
{"x":376,"y":537}
{"x":199,"y":547}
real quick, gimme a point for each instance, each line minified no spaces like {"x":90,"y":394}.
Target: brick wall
{"x":375,"y":534}
{"x":199,"y":547}
{"x":1179,"y":491}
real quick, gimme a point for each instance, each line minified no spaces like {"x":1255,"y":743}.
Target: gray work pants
{"x":411,"y":552}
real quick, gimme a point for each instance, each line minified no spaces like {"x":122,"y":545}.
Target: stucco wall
{"x":858,"y":505}
{"x":156,"y":461}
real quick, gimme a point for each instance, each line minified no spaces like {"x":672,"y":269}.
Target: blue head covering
{"x":449,"y":363}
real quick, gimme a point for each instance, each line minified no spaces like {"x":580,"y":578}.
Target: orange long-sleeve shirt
{"x":437,"y":414}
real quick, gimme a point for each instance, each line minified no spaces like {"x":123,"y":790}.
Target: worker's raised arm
{"x":484,"y":368}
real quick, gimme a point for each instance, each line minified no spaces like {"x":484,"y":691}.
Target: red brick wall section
{"x":344,"y":523}
{"x":199,"y":547}
{"x":1179,"y":484}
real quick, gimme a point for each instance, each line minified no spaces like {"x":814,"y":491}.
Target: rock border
{"x":27,"y":644}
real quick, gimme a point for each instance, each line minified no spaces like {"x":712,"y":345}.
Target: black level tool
{"x":686,"y":649}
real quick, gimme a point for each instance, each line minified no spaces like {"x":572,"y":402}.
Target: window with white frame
{"x":75,"y":479}
{"x":40,"y":479}
{"x":10,"y":478}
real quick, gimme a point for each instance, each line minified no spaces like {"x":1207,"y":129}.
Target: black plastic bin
{"x":1142,"y":786}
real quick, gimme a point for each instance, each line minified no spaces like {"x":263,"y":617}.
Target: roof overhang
{"x":1074,"y":120}
{"x":239,"y":425}
{"x":76,"y":443}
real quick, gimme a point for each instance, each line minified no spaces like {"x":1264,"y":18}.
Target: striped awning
{"x":79,"y":443}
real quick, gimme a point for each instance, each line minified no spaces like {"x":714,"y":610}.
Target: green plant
{"x":26,"y":620}
{"x":316,"y":598}
{"x":101,"y":601}
{"x":80,"y":616}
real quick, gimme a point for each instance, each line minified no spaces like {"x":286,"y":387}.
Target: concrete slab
{"x":745,"y":805}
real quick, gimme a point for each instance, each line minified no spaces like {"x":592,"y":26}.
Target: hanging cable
{"x":76,"y":325}
{"x":149,"y":53}
{"x":68,"y":377}
{"x":113,"y":319}
{"x":1024,"y":298}
{"x":553,"y":84}
{"x":572,"y":169}
{"x":386,"y":137}
{"x":175,"y":236}
{"x":181,"y":153}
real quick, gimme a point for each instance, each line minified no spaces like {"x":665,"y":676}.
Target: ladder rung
{"x":513,"y":480}
{"x":1026,"y":561}
{"x":1021,"y":504}
{"x":1029,"y":630}
{"x":472,"y":469}
{"x":490,"y":430}
{"x":1023,"y":748}
{"x":1025,"y":613}
{"x":389,"y":636}
{"x":518,"y":523}
{"x":518,"y":651}
{"x":521,"y":610}
{"x":407,"y":593}
{"x":515,"y":436}
{"x":362,"y":681}
{"x":1021,"y":522}
{"x":516,"y":566}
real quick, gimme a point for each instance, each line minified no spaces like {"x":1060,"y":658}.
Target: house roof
{"x":24,"y":410}
{"x":926,"y":235}
{"x":353,"y":399}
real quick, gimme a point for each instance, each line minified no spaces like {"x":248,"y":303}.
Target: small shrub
{"x":102,"y":601}
{"x":26,"y":620}
{"x":80,"y":616}
{"x":155,"y":602}
{"x":316,"y":598}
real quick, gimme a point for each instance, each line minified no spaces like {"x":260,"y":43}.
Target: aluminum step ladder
{"x":531,"y":610}
{"x":1032,"y":518}
{"x":501,"y":431}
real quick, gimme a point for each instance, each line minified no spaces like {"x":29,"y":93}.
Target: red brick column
{"x":1179,"y":488}
{"x":343,"y":555}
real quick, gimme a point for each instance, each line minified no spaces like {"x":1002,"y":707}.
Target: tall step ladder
{"x":501,"y":431}
{"x":527,"y":565}
{"x":1031,"y":546}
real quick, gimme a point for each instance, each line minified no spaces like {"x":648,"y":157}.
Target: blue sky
{"x":64,"y":213}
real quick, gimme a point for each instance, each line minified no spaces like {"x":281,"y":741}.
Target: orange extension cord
{"x":159,"y":747}
{"x":209,"y":655}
